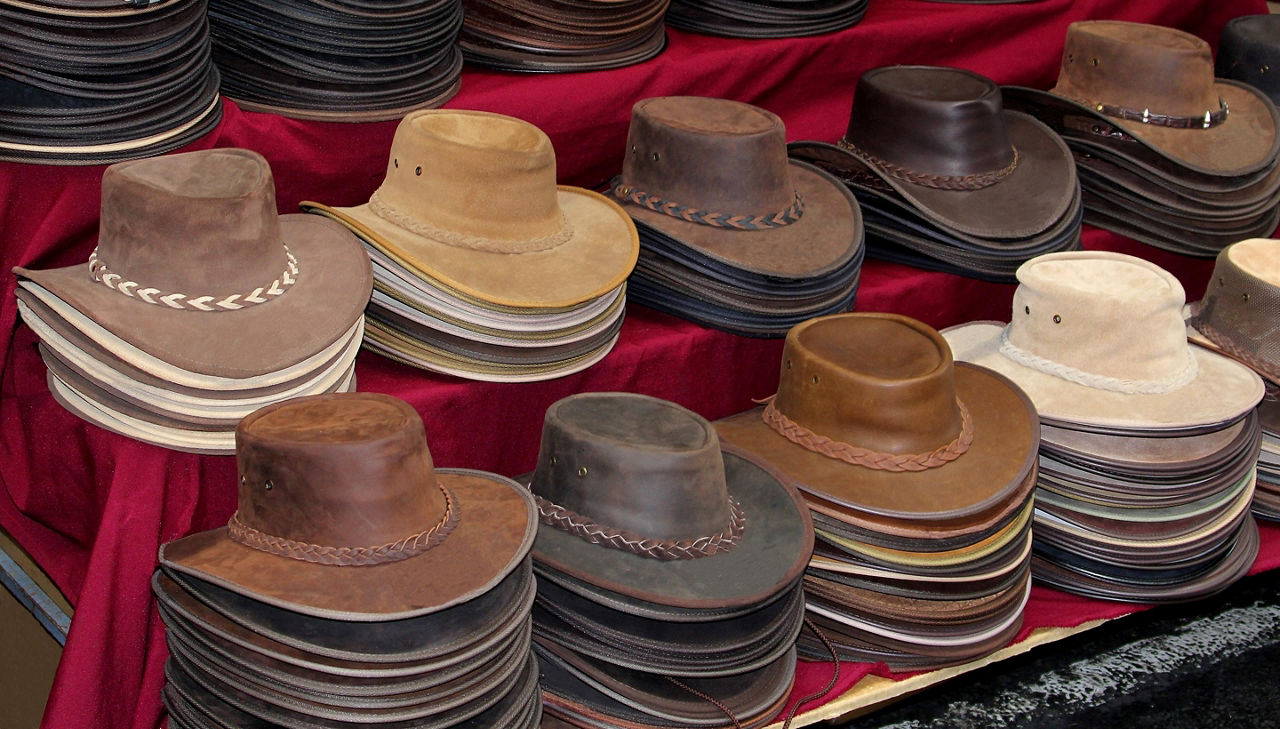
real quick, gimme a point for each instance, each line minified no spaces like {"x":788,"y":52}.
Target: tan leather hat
{"x":342,"y":515}
{"x":470,"y":202}
{"x":1097,"y":340}
{"x":872,"y":414}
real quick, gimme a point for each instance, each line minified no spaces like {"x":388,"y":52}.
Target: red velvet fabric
{"x":93,"y":507}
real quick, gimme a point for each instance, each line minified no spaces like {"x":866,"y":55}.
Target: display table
{"x":93,"y":507}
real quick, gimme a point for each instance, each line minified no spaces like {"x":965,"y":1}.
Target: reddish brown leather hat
{"x":942,"y":139}
{"x":873,"y":414}
{"x":636,"y":496}
{"x":191,"y":250}
{"x":342,"y":515}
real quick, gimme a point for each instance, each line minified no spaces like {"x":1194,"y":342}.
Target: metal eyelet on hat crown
{"x":1027,"y":309}
{"x":1245,"y":296}
{"x":1057,"y":319}
{"x":815,"y":379}
{"x":788,"y":364}
{"x":1222,"y":281}
{"x":554,"y":460}
{"x":656,"y":156}
{"x":268,"y":485}
{"x":243,"y":480}
{"x":582,"y":471}
{"x":418,"y":171}
{"x":1095,"y":62}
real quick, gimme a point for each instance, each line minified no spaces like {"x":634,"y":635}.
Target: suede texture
{"x":659,"y":460}
{"x":1249,"y":51}
{"x":727,"y":157}
{"x":895,"y":375}
{"x":236,"y":240}
{"x":490,"y":180}
{"x":1237,"y":315}
{"x":1116,"y":316}
{"x":1168,"y":71}
{"x":354,"y":471}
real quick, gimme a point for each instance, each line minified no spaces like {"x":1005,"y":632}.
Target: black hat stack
{"x":765,"y":18}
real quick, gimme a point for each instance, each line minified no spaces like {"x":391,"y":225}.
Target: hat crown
{"x":634,"y":463}
{"x":882,"y":382}
{"x":1138,"y":67}
{"x":474,"y":174}
{"x":1250,"y":52}
{"x":713,"y":155}
{"x":1106,"y":314}
{"x":339,"y":470}
{"x":198,"y":223}
{"x":932,"y":120}
{"x":1241,"y":305}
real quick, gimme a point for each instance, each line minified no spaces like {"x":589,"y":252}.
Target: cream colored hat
{"x":1097,"y":340}
{"x":1238,"y":314}
{"x":470,"y":202}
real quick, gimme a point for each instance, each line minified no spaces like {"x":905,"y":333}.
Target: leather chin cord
{"x":786,"y":724}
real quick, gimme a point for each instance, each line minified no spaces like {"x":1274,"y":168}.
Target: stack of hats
{"x":483,"y":267}
{"x":1249,"y":51}
{"x":947,"y":179}
{"x":765,"y":18}
{"x":1150,"y":444}
{"x":919,"y":472}
{"x":355,"y":585}
{"x":732,"y":234}
{"x":101,"y":81}
{"x":338,"y":60}
{"x":571,"y":35}
{"x":669,"y":590}
{"x":1238,"y":317}
{"x":200,"y":303}
{"x":1167,"y":154}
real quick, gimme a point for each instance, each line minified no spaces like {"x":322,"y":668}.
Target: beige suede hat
{"x":470,"y":202}
{"x":1097,"y":340}
{"x":1238,"y":314}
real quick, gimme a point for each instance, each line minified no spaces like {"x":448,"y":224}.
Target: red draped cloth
{"x":93,"y":507}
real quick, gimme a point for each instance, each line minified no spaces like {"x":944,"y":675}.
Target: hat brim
{"x":596,"y":259}
{"x":1223,"y":390}
{"x":1029,"y":201}
{"x":772,"y":553}
{"x":494,"y":533}
{"x":1244,"y":143}
{"x":333,"y":285}
{"x":824,"y":238}
{"x":1006,"y":432}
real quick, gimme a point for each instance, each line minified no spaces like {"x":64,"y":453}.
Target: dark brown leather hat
{"x":342,"y":515}
{"x":637,"y":496}
{"x":942,"y":139}
{"x":713,"y":175}
{"x":1250,"y":52}
{"x":873,"y":414}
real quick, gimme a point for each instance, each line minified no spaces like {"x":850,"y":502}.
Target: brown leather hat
{"x":1237,"y":315}
{"x":342,"y":515}
{"x":873,"y":414}
{"x":191,"y":250}
{"x":637,"y":496}
{"x":1157,"y":84}
{"x":713,"y":175}
{"x":942,"y":139}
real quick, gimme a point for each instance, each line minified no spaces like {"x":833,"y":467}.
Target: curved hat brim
{"x":1243,"y":144}
{"x":1223,"y":391}
{"x":774,"y":549}
{"x":596,"y":259}
{"x":1006,"y":432}
{"x":824,"y":238}
{"x":333,"y":285}
{"x":1031,"y":199}
{"x":495,"y":529}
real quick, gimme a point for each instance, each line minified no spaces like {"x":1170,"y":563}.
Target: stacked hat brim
{"x":765,"y":18}
{"x":149,"y":343}
{"x":702,"y":635}
{"x":956,"y":210}
{"x":431,"y":632}
{"x":484,"y":308}
{"x":921,"y":561}
{"x":1236,"y":318}
{"x":99,"y":84}
{"x":562,"y":36}
{"x":353,"y":62}
{"x":705,"y":254}
{"x":1145,"y":480}
{"x":1180,"y":183}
